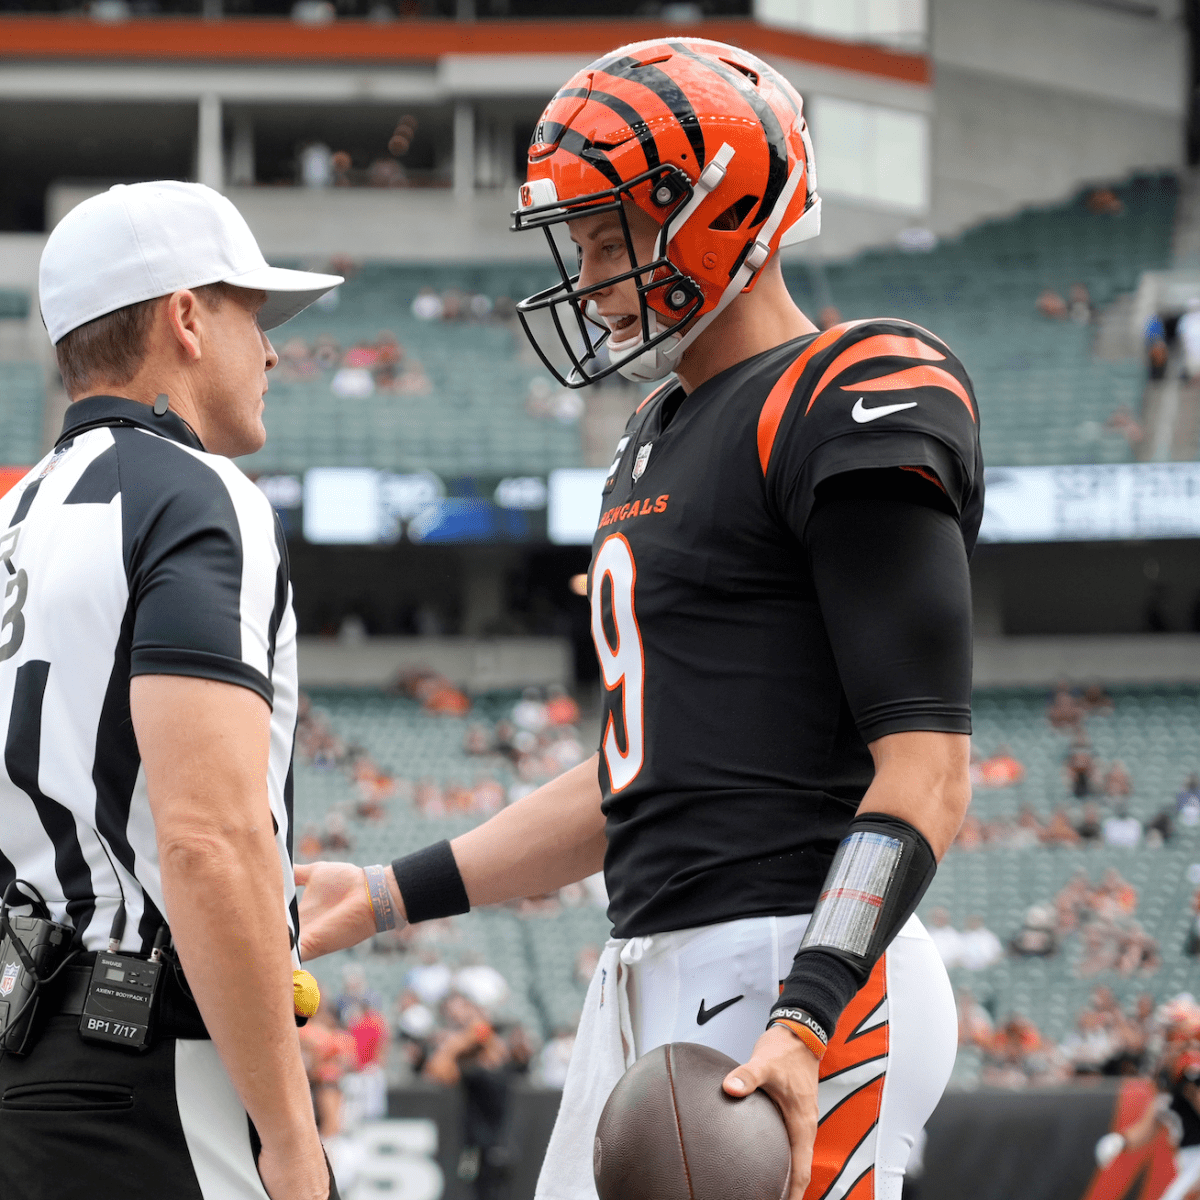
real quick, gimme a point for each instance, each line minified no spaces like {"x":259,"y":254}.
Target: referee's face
{"x":237,"y":376}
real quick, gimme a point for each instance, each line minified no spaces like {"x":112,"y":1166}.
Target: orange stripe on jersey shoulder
{"x":780,"y":395}
{"x":658,"y":391}
{"x":891,"y":345}
{"x":914,"y":377}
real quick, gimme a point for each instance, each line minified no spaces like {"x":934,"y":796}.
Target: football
{"x":669,"y":1132}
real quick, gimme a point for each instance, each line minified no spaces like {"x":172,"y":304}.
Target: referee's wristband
{"x":430,"y":884}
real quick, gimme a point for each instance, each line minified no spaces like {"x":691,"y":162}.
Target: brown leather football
{"x":669,"y":1132}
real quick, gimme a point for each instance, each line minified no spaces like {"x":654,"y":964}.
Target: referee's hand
{"x":335,"y":911}
{"x":784,"y":1067}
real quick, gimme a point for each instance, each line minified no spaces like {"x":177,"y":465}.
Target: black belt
{"x":177,"y":1014}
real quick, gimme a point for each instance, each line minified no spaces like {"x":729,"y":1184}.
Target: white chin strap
{"x":645,"y":366}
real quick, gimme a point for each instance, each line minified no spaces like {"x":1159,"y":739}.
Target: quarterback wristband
{"x":803,"y":1026}
{"x":380,"y":899}
{"x":430,"y":884}
{"x":882,"y":869}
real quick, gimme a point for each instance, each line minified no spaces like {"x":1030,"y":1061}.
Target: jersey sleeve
{"x":867,"y":395}
{"x":207,"y":579}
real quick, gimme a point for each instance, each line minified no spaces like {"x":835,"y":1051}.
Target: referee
{"x":147,"y":707}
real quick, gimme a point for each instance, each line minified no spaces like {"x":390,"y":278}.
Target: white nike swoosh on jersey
{"x":863,"y":415}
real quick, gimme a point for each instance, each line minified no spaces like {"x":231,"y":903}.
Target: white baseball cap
{"x":138,"y":241}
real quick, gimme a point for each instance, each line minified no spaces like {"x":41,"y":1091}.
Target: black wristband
{"x":822,"y":985}
{"x":430,"y":884}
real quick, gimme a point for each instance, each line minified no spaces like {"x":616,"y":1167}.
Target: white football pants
{"x":888,"y":1061}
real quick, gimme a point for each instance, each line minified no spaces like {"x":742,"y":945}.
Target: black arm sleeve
{"x":890,"y":571}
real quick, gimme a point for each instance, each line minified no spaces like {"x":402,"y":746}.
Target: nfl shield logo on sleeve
{"x":639,"y":463}
{"x":8,"y":980}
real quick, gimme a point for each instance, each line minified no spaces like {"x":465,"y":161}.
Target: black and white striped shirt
{"x":127,"y":551}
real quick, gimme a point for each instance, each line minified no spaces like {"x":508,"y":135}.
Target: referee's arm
{"x":204,"y":747}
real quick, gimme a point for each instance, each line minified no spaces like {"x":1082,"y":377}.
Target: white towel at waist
{"x":604,"y":1049}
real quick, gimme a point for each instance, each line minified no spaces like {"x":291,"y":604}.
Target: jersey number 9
{"x":622,"y":665}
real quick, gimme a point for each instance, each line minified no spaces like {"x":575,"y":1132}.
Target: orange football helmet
{"x":709,"y":141}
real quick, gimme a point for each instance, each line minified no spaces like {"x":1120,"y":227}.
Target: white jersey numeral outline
{"x":622,"y":666}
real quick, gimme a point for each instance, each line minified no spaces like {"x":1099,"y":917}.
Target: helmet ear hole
{"x":731,"y":219}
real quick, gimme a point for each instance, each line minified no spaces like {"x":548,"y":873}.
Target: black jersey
{"x":730,"y":762}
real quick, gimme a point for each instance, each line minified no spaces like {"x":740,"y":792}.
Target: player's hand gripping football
{"x":335,"y":911}
{"x":784,"y":1067}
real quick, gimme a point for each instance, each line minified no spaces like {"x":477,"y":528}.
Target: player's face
{"x":603,"y":253}
{"x":238,"y":379}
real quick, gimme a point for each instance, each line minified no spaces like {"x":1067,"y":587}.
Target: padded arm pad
{"x":882,"y":869}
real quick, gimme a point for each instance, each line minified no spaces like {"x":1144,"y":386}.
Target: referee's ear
{"x":182,"y":313}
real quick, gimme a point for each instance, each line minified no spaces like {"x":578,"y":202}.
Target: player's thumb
{"x":302,"y":873}
{"x":741,"y":1081}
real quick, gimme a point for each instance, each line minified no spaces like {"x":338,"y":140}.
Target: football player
{"x":781,"y":609}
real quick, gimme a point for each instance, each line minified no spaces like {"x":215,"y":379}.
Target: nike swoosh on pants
{"x":703,"y":1015}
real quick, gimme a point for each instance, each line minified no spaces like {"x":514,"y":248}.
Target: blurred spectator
{"x":1122,"y":829}
{"x":530,"y":712}
{"x":1091,"y":1045}
{"x":1059,"y":831}
{"x":1029,"y":830}
{"x":1117,"y":781}
{"x":1187,"y":803}
{"x":979,"y":947}
{"x":1096,"y":701}
{"x":945,"y":937}
{"x":328,"y":1053}
{"x":561,"y":709}
{"x":1001,"y":770}
{"x":386,"y":172}
{"x":1016,"y":1055}
{"x":335,"y":837}
{"x":1160,"y":829}
{"x":975,"y":1025}
{"x":355,"y":991}
{"x":352,"y":383}
{"x":1191,"y":944}
{"x":365,"y":1091}
{"x":482,"y":985}
{"x":1089,"y":828}
{"x":1051,"y":304}
{"x":431,"y":980}
{"x":828,"y":317}
{"x":484,"y":1062}
{"x":1105,"y":202}
{"x":1064,"y":711}
{"x":1081,"y":309}
{"x":316,"y":166}
{"x":428,"y":305}
{"x":309,"y":848}
{"x":1080,"y":768}
{"x":1036,"y":938}
{"x":1154,"y":340}
{"x":341,"y":164}
{"x":1188,"y":333}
